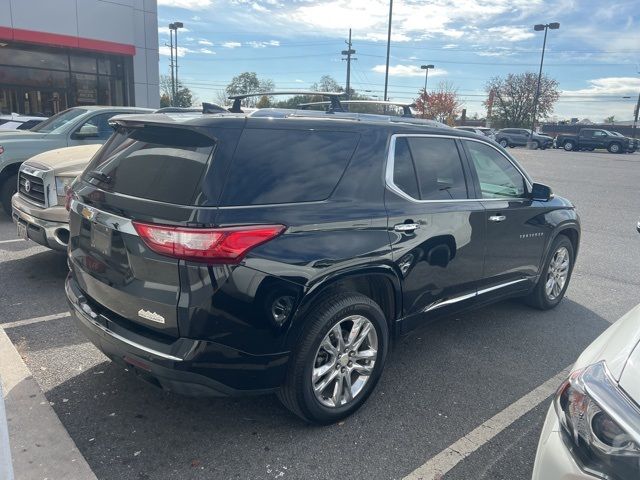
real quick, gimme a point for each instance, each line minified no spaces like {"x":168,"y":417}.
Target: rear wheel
{"x":615,"y":148}
{"x":535,"y":145}
{"x":555,"y":277}
{"x":339,"y":359}
{"x":568,"y":145}
{"x":7,"y":190}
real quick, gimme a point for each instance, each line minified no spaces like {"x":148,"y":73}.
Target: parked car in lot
{"x":39,"y":205}
{"x":592,"y":429}
{"x":487,"y":132}
{"x":206,"y":259}
{"x":75,"y":126}
{"x":593,"y":138}
{"x":15,"y":121}
{"x":514,"y":137}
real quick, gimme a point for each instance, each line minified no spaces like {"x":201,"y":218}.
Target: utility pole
{"x":171,"y":65}
{"x":386,"y":73}
{"x":635,"y":118}
{"x":348,"y":53}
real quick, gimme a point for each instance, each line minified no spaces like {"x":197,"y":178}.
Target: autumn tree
{"x":513,"y":98}
{"x":443,"y":104}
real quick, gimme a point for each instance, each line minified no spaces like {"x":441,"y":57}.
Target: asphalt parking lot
{"x":440,"y":383}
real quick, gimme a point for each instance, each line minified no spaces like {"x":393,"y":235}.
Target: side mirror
{"x":87,"y":131}
{"x":541,"y":192}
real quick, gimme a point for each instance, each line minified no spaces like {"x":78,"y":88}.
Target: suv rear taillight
{"x":211,"y":245}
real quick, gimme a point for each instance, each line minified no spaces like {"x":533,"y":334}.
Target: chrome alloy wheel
{"x":557,"y":273}
{"x":344,"y":361}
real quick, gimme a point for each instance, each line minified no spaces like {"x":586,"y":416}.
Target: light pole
{"x":635,"y":118}
{"x":386,"y":72}
{"x":539,"y":28}
{"x":173,"y":27}
{"x":426,"y":77}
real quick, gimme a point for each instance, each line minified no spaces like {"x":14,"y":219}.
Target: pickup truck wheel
{"x":504,"y":143}
{"x":614,"y":148}
{"x":339,"y":359}
{"x":568,"y":145}
{"x":7,"y":190}
{"x":555,"y":276}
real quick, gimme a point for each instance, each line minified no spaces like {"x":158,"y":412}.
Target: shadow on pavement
{"x":440,"y":382}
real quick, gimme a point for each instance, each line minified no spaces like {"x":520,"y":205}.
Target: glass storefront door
{"x":29,"y":101}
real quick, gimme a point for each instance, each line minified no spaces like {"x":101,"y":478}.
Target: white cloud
{"x":450,"y":45}
{"x":260,"y":8}
{"x":408,"y":71}
{"x":512,"y":33}
{"x":297,"y":80}
{"x":186,"y":4}
{"x":623,"y":86}
{"x":269,"y":43}
{"x":231,"y":44}
{"x":205,"y":42}
{"x":166,"y":51}
{"x":207,"y":51}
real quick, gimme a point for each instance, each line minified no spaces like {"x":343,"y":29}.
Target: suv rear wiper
{"x":101,"y":177}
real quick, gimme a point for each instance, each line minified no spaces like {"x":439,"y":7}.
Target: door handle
{"x":497,"y":218}
{"x":406,"y":227}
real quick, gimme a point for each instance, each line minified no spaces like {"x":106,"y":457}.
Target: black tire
{"x":535,"y":144}
{"x":7,"y":190}
{"x":297,"y":391}
{"x":504,"y":143}
{"x":538,"y":297}
{"x":568,"y":145}
{"x":614,"y":148}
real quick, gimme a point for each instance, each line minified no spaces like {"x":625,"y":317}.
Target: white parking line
{"x":29,"y":321}
{"x":448,"y":458}
{"x":13,"y":240}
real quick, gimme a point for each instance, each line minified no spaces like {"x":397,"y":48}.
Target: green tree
{"x":610,"y":119}
{"x":184,"y":96}
{"x":513,"y":98}
{"x":248,"y":82}
{"x":327,"y":84}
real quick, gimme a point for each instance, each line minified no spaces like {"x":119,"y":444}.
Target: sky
{"x":595,"y":55}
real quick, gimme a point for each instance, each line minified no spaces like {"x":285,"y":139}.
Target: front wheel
{"x":555,"y":277}
{"x":504,"y":143}
{"x":568,"y":146}
{"x":614,"y":148}
{"x":7,"y":190}
{"x":339,"y":359}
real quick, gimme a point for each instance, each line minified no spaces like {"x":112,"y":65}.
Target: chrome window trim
{"x":103,"y":218}
{"x":390,"y":164}
{"x":450,"y":301}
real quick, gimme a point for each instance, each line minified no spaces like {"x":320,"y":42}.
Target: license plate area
{"x":22,"y":230}
{"x":101,"y":238}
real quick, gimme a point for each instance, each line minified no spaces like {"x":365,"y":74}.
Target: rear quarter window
{"x":273,"y":166}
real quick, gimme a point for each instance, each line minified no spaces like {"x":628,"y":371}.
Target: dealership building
{"x":56,"y":54}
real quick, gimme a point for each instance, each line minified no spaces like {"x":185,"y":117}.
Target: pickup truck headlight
{"x":601,"y":425}
{"x":62,"y":183}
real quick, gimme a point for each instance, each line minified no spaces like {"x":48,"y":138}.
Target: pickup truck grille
{"x":36,"y":188}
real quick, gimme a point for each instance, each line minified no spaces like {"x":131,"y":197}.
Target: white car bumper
{"x":553,"y":460}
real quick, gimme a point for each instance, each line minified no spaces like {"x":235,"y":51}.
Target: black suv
{"x":282,"y":251}
{"x":513,"y":137}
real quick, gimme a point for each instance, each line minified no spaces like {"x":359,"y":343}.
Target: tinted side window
{"x":438,"y":167}
{"x":155,"y":163}
{"x":404,"y":172}
{"x":286,"y":166}
{"x":497,"y":175}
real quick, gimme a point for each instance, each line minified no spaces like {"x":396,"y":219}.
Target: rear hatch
{"x":146,"y":173}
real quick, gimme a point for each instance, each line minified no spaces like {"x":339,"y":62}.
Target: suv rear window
{"x":287,"y":166}
{"x":155,"y":163}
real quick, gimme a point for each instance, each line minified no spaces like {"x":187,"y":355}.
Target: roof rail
{"x":406,"y":107}
{"x":333,"y":97}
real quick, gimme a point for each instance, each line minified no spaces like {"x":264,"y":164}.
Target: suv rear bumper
{"x":185,"y":366}
{"x":50,"y":233}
